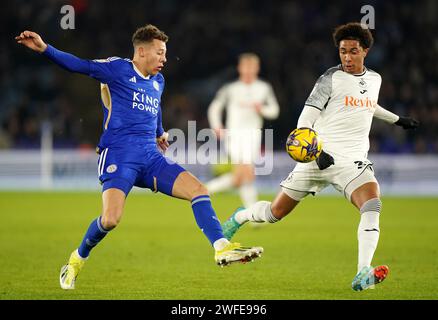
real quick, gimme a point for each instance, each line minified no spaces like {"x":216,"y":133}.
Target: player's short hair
{"x":248,"y":55}
{"x":353,"y":31}
{"x":148,"y":33}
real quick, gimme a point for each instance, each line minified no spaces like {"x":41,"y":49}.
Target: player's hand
{"x":258,"y":107}
{"x":32,"y":40}
{"x":324,"y":160}
{"x":407,"y":123}
{"x":162,"y":142}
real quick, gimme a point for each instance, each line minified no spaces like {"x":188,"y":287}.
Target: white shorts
{"x":345,"y":177}
{"x":243,"y":145}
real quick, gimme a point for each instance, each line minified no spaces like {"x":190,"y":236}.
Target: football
{"x":303,"y":145}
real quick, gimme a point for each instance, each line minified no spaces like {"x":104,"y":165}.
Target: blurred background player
{"x":247,"y":101}
{"x":131,"y":96}
{"x":340,"y":108}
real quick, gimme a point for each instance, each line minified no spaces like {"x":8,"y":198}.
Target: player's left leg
{"x":243,"y":153}
{"x":263,"y":211}
{"x":301,"y":182}
{"x":245,"y":180}
{"x":113,"y":202}
{"x":366,"y":198}
{"x":188,"y":187}
{"x":170,"y":178}
{"x":220,"y":183}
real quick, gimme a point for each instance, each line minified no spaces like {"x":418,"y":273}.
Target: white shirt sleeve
{"x":308,"y":117}
{"x":385,"y":115}
{"x":321,"y":92}
{"x":270,"y":109}
{"x":216,"y":108}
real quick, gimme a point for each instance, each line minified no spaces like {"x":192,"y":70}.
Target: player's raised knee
{"x":198,"y":190}
{"x":110,"y":221}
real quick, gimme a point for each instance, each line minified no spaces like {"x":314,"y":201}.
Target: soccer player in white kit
{"x":248,"y":100}
{"x":340,"y":109}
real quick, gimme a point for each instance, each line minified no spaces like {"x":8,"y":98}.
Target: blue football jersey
{"x":131,"y":102}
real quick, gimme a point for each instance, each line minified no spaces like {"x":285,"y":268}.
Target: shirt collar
{"x":139,"y":72}
{"x":357,"y":74}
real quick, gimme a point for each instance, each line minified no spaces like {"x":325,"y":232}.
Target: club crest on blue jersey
{"x":111,"y":168}
{"x":156,"y":85}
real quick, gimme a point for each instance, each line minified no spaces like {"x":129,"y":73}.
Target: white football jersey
{"x":239,"y":98}
{"x":347,"y":103}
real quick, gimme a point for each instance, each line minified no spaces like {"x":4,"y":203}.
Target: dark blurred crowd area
{"x":293,"y":39}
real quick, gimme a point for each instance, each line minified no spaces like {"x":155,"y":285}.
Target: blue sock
{"x":206,"y":218}
{"x":95,"y":233}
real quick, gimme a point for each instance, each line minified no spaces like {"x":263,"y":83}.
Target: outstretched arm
{"x":270,"y":109}
{"x":96,"y":69}
{"x":33,"y":41}
{"x":215,"y":110}
{"x":388,"y":116}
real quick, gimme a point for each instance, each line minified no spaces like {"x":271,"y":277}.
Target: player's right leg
{"x":113,"y":203}
{"x":367,"y":199}
{"x":304,"y":177}
{"x":262,"y":211}
{"x":116,"y":185}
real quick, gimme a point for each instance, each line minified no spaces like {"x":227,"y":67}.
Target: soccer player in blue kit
{"x":132,"y":133}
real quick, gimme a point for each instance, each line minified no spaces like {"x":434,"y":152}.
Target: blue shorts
{"x":123,"y":168}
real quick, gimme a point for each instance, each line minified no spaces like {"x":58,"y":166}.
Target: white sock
{"x":221,"y":243}
{"x":368,"y":237}
{"x":248,"y":194}
{"x":79,"y":256}
{"x":220,"y":183}
{"x":258,"y":212}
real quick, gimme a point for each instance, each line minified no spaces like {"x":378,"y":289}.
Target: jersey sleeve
{"x":385,"y":115}
{"x":308,"y":117}
{"x":270,"y":108}
{"x":321,"y":92}
{"x":216,"y":107}
{"x":101,"y":70}
{"x":160,"y":129}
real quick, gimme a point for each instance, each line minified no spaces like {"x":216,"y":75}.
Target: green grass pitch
{"x":158,"y":252}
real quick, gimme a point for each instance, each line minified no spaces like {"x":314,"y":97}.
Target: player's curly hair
{"x":353,"y":31}
{"x":148,"y":33}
